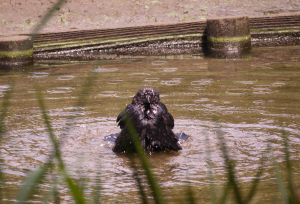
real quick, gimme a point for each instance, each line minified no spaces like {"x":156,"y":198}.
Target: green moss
{"x":229,"y":39}
{"x":16,"y":54}
{"x":280,"y":30}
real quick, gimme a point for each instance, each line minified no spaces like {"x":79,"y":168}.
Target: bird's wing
{"x":167,"y":117}
{"x":123,"y":116}
{"x":162,"y":136}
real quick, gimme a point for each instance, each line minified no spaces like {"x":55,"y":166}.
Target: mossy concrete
{"x":15,"y":43}
{"x":16,"y":49}
{"x":228,"y":37}
{"x":228,"y":26}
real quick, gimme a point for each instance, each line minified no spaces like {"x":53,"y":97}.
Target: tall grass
{"x":38,"y":175}
{"x":232,"y":182}
{"x":289,"y":193}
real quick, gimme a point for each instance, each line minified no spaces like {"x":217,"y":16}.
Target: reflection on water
{"x":253,"y":100}
{"x":172,"y":82}
{"x":108,"y":94}
{"x":159,"y":62}
{"x":38,"y":74}
{"x":202,"y":82}
{"x":237,"y":91}
{"x":169,"y":69}
{"x":261,"y":89}
{"x":151,"y":79}
{"x":105,"y":69}
{"x":66,"y":77}
{"x":3,"y":89}
{"x":60,"y":90}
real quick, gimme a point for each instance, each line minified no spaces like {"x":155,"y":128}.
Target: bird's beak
{"x":148,"y":98}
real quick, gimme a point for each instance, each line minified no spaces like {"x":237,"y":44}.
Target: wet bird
{"x":152,"y":122}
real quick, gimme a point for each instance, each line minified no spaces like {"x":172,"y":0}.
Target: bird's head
{"x":146,"y":96}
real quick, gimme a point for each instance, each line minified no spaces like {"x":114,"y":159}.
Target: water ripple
{"x":151,"y":79}
{"x":59,"y":90}
{"x":201,"y":82}
{"x":169,"y":69}
{"x":259,"y":102}
{"x":114,"y":81}
{"x":99,"y":69}
{"x":201,"y":100}
{"x":173,"y":82}
{"x":245,"y":82}
{"x":3,"y":88}
{"x":158,"y":63}
{"x":262,"y":89}
{"x":66,"y":77}
{"x":108,"y":94}
{"x":139,"y":74}
{"x":278,"y":84}
{"x":237,"y":91}
{"x":38,"y":74}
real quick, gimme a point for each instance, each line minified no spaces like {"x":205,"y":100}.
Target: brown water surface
{"x":253,"y":99}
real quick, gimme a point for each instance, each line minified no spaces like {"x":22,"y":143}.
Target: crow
{"x":152,"y":122}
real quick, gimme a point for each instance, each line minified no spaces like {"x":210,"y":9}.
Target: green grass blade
{"x":48,"y":124}
{"x":225,"y":192}
{"x":293,"y":196}
{"x":190,"y":195}
{"x":52,"y":194}
{"x":75,"y":190}
{"x":210,"y":171}
{"x":229,"y":164}
{"x":2,"y":182}
{"x":255,"y":181}
{"x":33,"y":180}
{"x":77,"y":193}
{"x":47,"y":16}
{"x":139,"y":184}
{"x":56,"y":195}
{"x":157,"y":192}
{"x":4,"y":109}
{"x":279,"y":180}
{"x":97,"y":191}
{"x":81,"y":102}
{"x":45,"y":19}
{"x":55,"y":192}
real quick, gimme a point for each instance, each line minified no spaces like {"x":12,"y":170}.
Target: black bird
{"x":152,"y":121}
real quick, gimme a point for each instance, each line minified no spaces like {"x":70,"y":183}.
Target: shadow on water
{"x":249,"y":96}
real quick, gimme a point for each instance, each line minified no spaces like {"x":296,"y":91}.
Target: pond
{"x":252,"y":99}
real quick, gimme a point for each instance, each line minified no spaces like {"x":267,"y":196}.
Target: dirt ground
{"x":20,"y":16}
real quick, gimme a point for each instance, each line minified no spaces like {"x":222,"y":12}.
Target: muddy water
{"x":253,"y":100}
